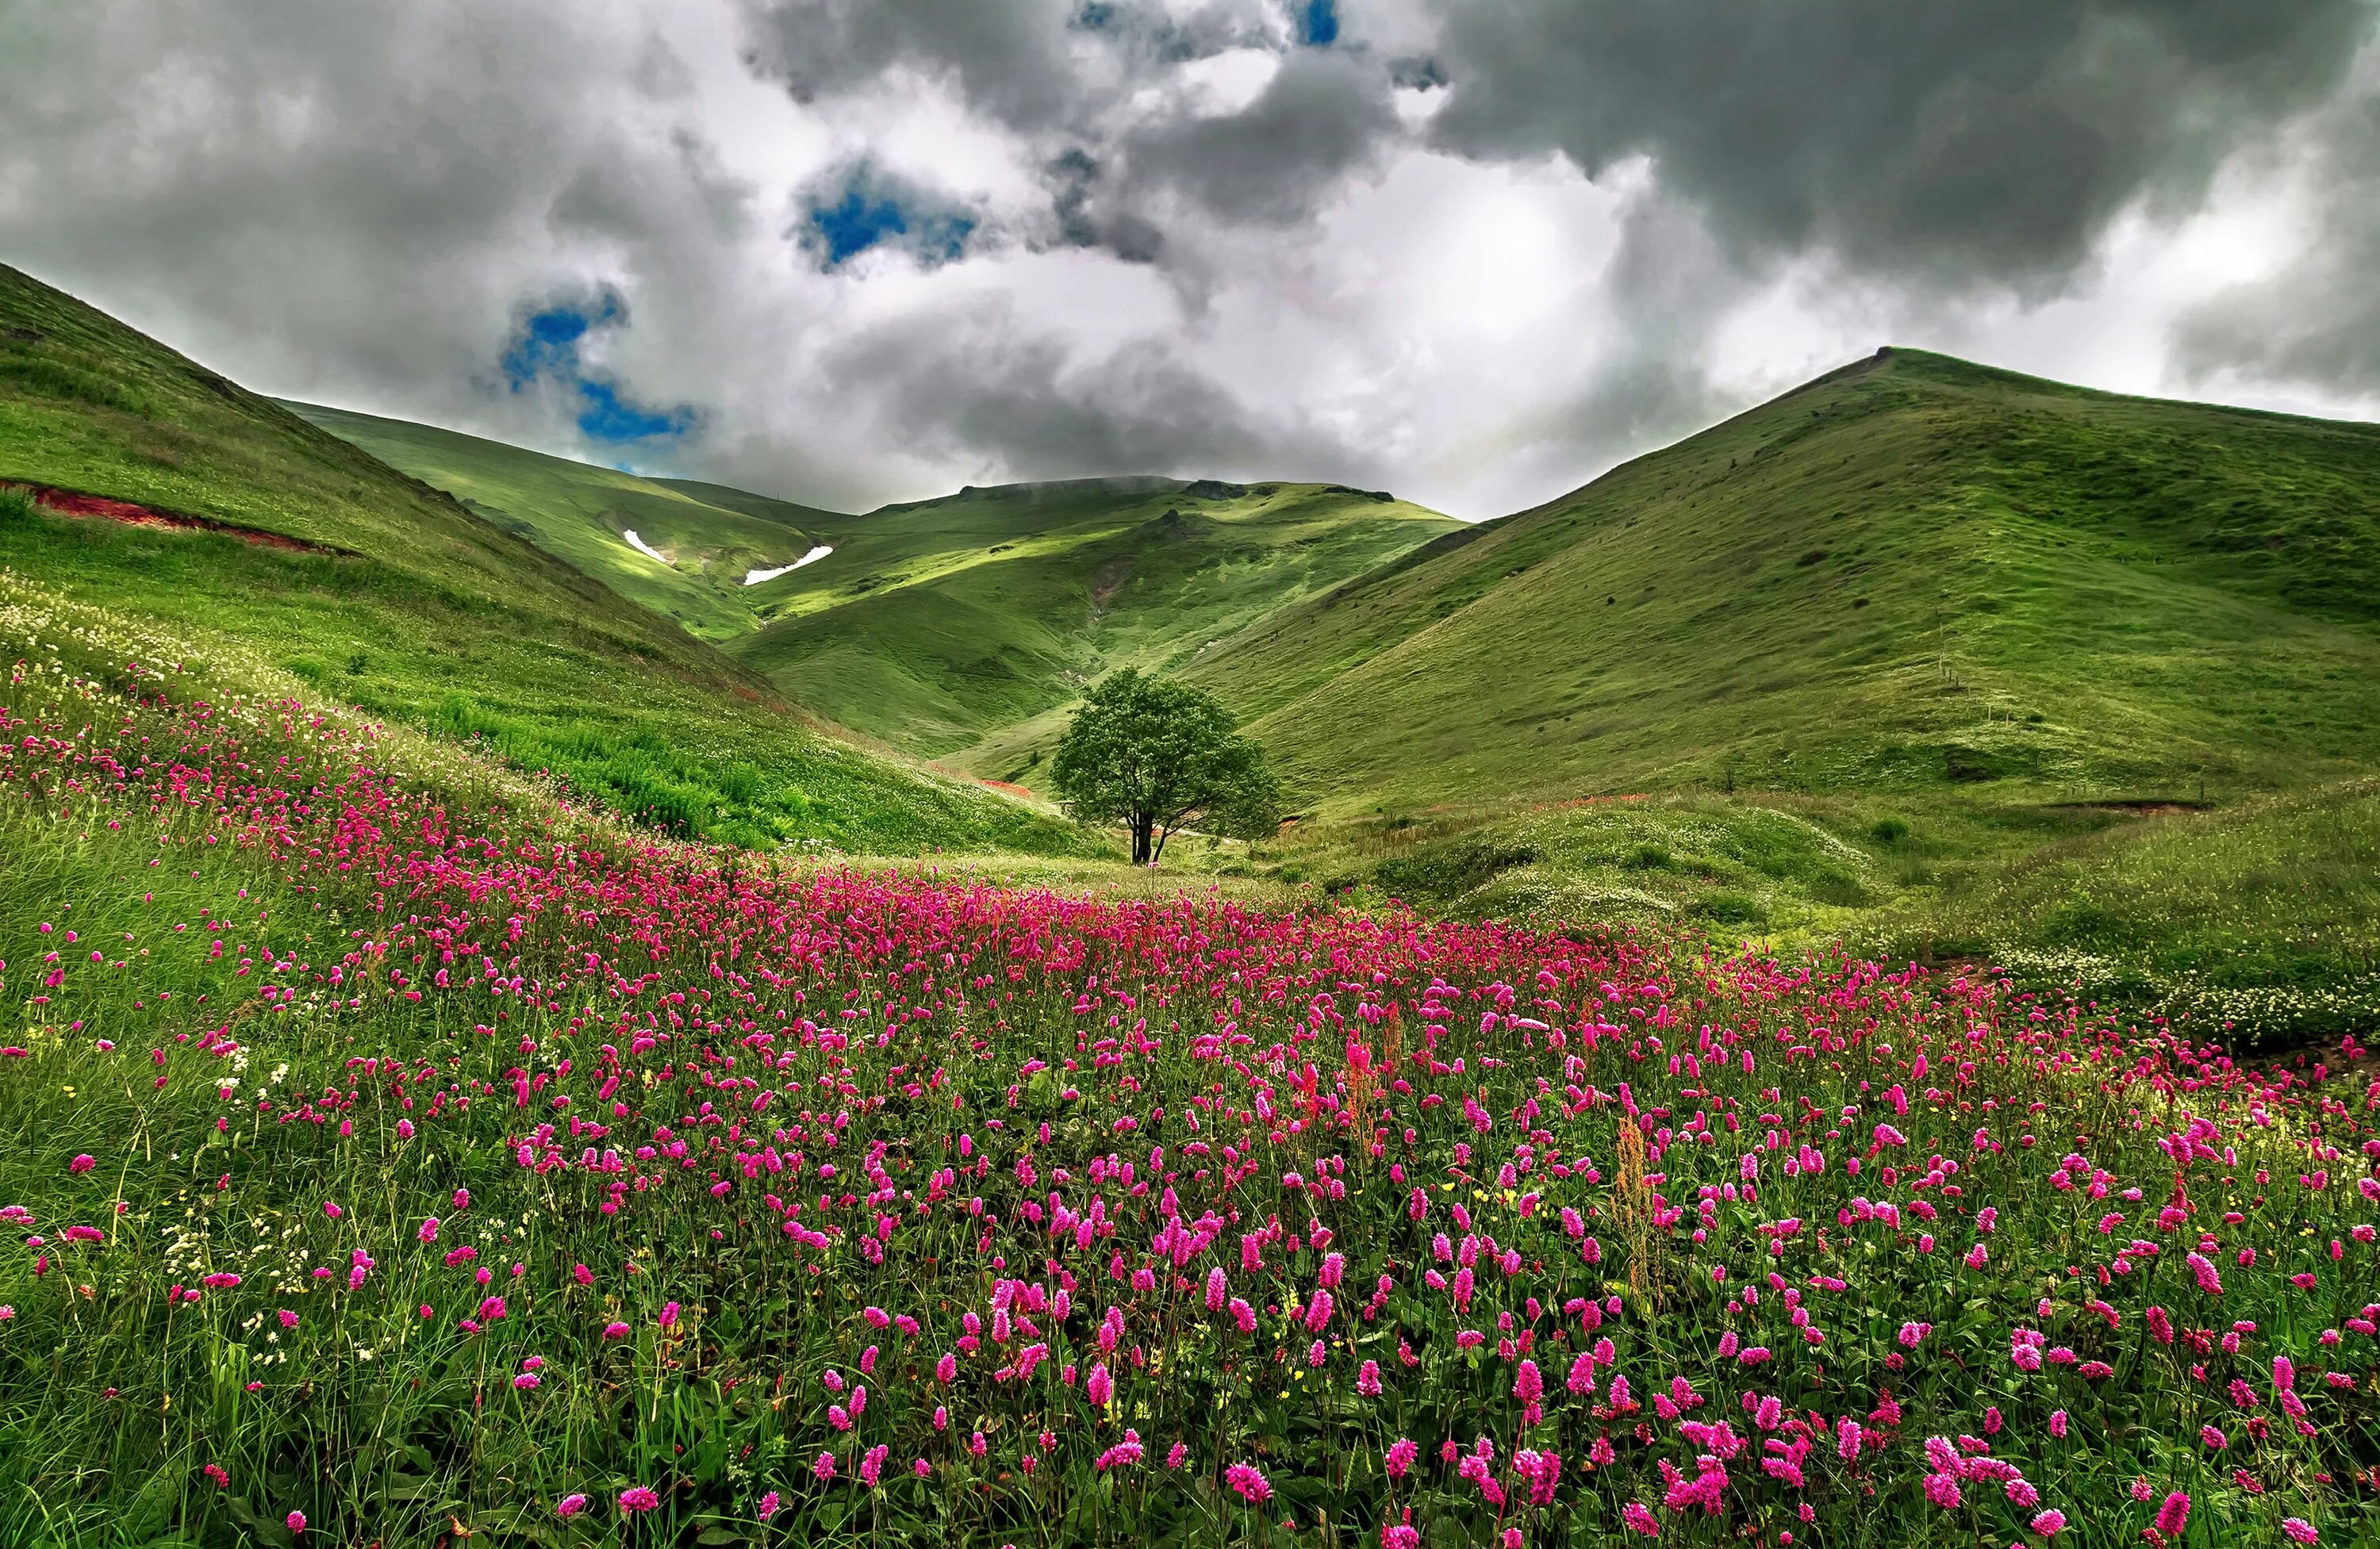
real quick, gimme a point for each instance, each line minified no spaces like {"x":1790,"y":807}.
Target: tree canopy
{"x":1160,"y":757}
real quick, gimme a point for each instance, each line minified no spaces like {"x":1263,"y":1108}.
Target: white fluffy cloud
{"x":1471,"y":251}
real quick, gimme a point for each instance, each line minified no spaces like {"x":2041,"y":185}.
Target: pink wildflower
{"x":1250,"y":1485}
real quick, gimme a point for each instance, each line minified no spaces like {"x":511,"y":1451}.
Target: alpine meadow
{"x":1818,"y":989}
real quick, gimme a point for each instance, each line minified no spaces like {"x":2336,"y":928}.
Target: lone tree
{"x":1160,"y":757}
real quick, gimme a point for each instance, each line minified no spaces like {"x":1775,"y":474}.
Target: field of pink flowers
{"x":403,"y":1158}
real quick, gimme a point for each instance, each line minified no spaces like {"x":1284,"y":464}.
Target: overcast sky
{"x":1475,"y":251}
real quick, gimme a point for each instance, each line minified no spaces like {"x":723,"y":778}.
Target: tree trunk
{"x":1141,"y":827}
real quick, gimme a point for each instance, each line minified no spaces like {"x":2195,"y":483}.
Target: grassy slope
{"x":579,"y":512}
{"x":1889,"y":655}
{"x":431,"y":616}
{"x":969,"y":622}
{"x":1910,"y":572}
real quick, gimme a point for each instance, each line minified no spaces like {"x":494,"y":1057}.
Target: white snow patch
{"x":642,"y":546}
{"x":754,"y":577}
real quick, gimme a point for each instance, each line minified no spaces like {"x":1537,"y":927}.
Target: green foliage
{"x":1155,"y":757}
{"x":2255,"y":925}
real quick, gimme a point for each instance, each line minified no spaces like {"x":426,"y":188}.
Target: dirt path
{"x":74,"y":503}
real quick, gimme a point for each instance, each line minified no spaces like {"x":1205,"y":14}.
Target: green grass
{"x":2254,"y":924}
{"x":455,"y":1210}
{"x":414,"y":609}
{"x":578,"y":512}
{"x":964,"y":627}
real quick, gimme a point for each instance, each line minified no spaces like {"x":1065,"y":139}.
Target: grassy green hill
{"x":389,"y":595}
{"x":581,"y":514}
{"x":1940,"y":660}
{"x":965,"y":626}
{"x":1911,"y":573}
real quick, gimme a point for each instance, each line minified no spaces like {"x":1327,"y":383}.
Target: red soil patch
{"x":1012,"y":788}
{"x":73,"y":503}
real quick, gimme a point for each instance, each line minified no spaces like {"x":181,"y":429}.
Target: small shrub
{"x":1727,"y":907}
{"x":1840,"y":888}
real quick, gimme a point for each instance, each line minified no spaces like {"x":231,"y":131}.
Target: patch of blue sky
{"x":545,"y":347}
{"x":873,"y":211}
{"x":548,"y":341}
{"x":608,"y":418}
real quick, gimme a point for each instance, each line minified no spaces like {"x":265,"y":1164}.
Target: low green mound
{"x":2257,"y":925}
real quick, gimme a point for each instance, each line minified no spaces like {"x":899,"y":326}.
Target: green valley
{"x":966,"y":626}
{"x":1932,"y":658}
{"x":961,"y":627}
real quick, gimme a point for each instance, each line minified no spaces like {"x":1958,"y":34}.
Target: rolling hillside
{"x":242,"y":525}
{"x":582,"y":514}
{"x":961,"y":626}
{"x":1911,"y":573}
{"x":967,"y":626}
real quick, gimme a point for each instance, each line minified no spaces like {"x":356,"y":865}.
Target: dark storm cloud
{"x":1947,"y":142}
{"x":1068,"y":75}
{"x":1007,"y":58}
{"x":973,"y":386}
{"x":1089,"y":215}
{"x":2315,"y":323}
{"x":1322,"y":119}
{"x":353,"y":198}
